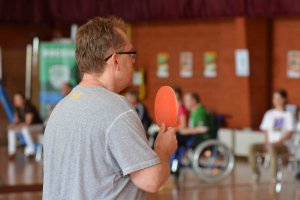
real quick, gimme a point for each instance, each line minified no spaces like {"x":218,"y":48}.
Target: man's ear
{"x":115,"y":62}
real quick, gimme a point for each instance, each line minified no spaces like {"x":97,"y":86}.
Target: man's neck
{"x":101,"y":81}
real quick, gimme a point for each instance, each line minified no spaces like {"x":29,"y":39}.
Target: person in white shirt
{"x":278,"y":127}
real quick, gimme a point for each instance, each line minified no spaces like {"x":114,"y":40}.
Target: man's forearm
{"x":164,"y":168}
{"x":152,"y":178}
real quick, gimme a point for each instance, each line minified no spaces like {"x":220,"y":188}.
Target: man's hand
{"x":166,"y":142}
{"x":152,"y":178}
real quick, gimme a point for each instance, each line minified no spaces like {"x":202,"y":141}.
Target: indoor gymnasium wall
{"x":259,"y":45}
{"x":243,"y":100}
{"x":226,"y":94}
{"x":286,"y":36}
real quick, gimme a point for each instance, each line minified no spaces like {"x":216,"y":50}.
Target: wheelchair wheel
{"x":213,"y":161}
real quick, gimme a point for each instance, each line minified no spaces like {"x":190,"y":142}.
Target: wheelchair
{"x":211,"y":160}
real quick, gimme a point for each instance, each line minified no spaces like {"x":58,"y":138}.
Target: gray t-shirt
{"x":93,"y":141}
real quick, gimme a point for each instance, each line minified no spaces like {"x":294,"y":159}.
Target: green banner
{"x":57,"y":66}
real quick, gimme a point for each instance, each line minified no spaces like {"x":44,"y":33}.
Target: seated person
{"x":182,"y":111}
{"x":199,"y":123}
{"x":278,"y":127}
{"x":26,"y":120}
{"x":132,"y":97}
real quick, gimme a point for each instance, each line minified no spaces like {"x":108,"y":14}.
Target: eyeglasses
{"x":130,"y":53}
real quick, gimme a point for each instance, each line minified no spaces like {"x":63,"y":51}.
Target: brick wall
{"x":227,"y":93}
{"x":244,"y":99}
{"x":286,"y":34}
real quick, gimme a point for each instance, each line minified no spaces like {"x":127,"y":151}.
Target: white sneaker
{"x":29,"y":151}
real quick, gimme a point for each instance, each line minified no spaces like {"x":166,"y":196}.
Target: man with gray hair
{"x":95,"y":146}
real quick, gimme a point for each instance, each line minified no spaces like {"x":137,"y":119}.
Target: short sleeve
{"x":290,"y":124}
{"x":264,"y":126}
{"x":128,"y":144}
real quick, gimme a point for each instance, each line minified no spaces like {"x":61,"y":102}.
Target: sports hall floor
{"x":21,"y":174}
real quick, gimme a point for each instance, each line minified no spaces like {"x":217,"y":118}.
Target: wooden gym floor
{"x":23,"y":175}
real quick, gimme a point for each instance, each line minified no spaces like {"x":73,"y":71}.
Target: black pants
{"x":183,"y":139}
